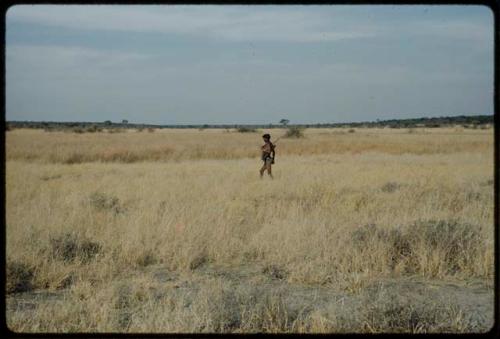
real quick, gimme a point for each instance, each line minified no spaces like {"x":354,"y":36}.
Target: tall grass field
{"x":361,"y":231}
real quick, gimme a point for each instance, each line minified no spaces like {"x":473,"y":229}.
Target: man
{"x":267,"y":155}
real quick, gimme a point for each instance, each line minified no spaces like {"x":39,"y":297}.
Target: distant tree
{"x":107,"y":122}
{"x":124,"y":121}
{"x":284,"y":122}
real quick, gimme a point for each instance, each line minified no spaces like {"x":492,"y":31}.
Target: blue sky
{"x":247,"y":64}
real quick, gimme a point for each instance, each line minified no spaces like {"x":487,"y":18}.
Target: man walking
{"x":267,"y":155}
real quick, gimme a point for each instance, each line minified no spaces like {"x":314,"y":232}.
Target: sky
{"x":236,"y":64}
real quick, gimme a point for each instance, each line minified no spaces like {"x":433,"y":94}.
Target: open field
{"x":375,"y":230}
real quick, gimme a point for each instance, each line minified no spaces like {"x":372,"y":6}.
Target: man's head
{"x":266,"y":137}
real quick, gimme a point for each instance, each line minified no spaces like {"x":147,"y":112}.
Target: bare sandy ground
{"x":408,"y":299}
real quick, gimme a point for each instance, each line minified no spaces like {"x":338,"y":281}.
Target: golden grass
{"x":175,"y":145}
{"x":344,"y":210}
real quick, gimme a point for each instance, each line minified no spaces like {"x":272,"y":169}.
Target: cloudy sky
{"x":247,"y":64}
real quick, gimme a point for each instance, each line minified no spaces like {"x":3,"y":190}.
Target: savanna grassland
{"x":368,"y":230}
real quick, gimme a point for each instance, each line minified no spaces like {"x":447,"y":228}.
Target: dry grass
{"x":344,"y":210}
{"x":176,"y":145}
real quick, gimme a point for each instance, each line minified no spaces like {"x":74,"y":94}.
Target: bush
{"x":458,"y":243}
{"x":390,"y":187}
{"x":102,"y":201}
{"x":294,"y":132}
{"x":387,"y":311}
{"x":67,"y":247}
{"x":64,"y":247}
{"x":275,"y":272}
{"x":246,"y":130}
{"x":93,"y":129}
{"x":146,"y":258}
{"x":19,"y":277}
{"x":351,"y":130}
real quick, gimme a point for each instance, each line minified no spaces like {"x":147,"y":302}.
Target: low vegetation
{"x":246,"y":130}
{"x":294,"y":132}
{"x":170,"y":145}
{"x":173,"y":231}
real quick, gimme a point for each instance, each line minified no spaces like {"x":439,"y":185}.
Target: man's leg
{"x":262,"y":170}
{"x":269,"y":170}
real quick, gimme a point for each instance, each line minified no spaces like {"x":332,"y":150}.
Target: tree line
{"x":475,"y":121}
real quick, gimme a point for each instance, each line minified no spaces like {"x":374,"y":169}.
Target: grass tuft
{"x":390,"y":187}
{"x":68,"y":247}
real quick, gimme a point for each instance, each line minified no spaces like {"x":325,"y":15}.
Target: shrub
{"x":390,"y":187}
{"x":19,"y":277}
{"x":64,"y":247}
{"x":246,"y":130}
{"x":275,"y":272}
{"x":151,"y":130}
{"x":87,"y":250}
{"x":75,"y":158}
{"x":294,"y":132}
{"x":103,"y":202}
{"x":458,"y":243}
{"x":351,"y":130}
{"x":67,"y":247}
{"x":198,"y":261}
{"x":93,"y":129}
{"x":387,"y":311}
{"x":145,"y":259}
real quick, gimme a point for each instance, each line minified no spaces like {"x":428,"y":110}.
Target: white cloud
{"x":458,"y":29}
{"x":234,"y":23}
{"x":63,"y":57}
{"x":77,"y":80}
{"x":243,"y":23}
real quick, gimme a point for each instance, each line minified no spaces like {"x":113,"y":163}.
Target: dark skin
{"x":267,"y":148}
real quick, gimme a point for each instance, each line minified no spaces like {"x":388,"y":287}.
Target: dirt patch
{"x":251,"y":299}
